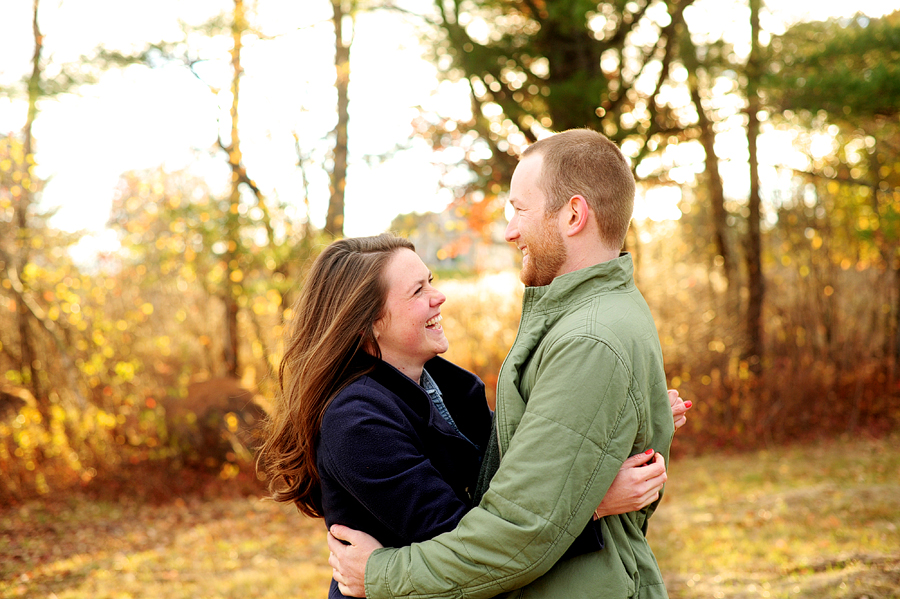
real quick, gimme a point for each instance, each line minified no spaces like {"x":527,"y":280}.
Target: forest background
{"x":766,"y":147}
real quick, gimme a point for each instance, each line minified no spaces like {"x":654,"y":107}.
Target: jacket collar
{"x":444,"y":373}
{"x":584,"y":283}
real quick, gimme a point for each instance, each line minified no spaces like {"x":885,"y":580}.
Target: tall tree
{"x":533,"y":66}
{"x":238,"y":259}
{"x":27,"y":355}
{"x":846,"y":70}
{"x":707,"y":136}
{"x":343,"y":19}
{"x":233,"y":287}
{"x":755,"y":281}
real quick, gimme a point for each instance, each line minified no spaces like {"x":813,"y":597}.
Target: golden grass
{"x":812,"y":521}
{"x":808,"y":521}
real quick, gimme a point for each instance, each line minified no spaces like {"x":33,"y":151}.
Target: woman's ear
{"x":369,"y":341}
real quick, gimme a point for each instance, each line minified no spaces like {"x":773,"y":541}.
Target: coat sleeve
{"x":368,"y":445}
{"x":578,"y":427}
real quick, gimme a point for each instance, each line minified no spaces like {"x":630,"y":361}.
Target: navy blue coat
{"x":390,"y":464}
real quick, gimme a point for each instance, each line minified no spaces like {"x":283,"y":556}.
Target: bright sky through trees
{"x":138,"y":118}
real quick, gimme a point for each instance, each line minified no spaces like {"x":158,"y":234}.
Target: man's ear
{"x":577,"y":212}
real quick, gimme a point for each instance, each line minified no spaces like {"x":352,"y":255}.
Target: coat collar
{"x":584,"y":283}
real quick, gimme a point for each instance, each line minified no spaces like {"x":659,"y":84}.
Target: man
{"x":581,"y":389}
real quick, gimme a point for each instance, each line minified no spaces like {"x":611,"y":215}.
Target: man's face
{"x":534,"y":232}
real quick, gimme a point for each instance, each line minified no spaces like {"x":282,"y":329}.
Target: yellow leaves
{"x":717,"y":345}
{"x":106,"y":420}
{"x":229,"y":471}
{"x":236,"y":276}
{"x":125,"y":371}
{"x":164,"y":343}
{"x":147,"y":308}
{"x":31,"y":271}
{"x":231,"y":421}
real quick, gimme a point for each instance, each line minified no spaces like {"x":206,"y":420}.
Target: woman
{"x":372,"y":429}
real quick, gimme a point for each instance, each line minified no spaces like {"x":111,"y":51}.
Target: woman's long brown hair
{"x":333,"y":318}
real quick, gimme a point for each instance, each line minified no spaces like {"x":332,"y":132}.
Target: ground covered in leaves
{"x":813,"y":521}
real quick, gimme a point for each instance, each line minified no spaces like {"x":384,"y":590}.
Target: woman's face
{"x":410,"y":333}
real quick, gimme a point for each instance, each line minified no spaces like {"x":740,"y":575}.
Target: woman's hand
{"x":637,"y":485}
{"x":679,"y":408}
{"x":348,"y":562}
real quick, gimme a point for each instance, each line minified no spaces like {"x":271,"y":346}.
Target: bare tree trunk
{"x":754,"y":243}
{"x":234,"y":275}
{"x":28,"y":359}
{"x":713,"y":177}
{"x":334,"y":221}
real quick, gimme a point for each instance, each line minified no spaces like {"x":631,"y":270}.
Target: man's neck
{"x":584,"y":259}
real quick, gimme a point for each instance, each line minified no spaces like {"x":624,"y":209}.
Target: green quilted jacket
{"x":581,"y":389}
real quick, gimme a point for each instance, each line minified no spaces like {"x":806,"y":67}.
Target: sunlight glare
{"x":658,"y":203}
{"x":821,"y":145}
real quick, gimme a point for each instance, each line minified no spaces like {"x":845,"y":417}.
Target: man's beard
{"x":546,"y":255}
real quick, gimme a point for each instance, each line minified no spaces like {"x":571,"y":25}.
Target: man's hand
{"x":679,"y":408}
{"x":637,"y":485}
{"x":348,"y":562}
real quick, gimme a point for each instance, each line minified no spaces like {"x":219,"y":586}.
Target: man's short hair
{"x":586,"y":163}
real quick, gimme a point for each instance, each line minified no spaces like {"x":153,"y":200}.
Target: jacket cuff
{"x":377,"y":586}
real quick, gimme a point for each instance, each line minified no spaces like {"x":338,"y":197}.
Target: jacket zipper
{"x":525,"y":301}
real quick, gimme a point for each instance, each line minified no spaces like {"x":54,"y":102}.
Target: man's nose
{"x":512,"y":231}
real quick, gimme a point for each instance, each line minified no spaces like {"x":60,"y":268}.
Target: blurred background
{"x":168,"y":171}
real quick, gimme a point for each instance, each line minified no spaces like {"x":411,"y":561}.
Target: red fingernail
{"x":688,"y":404}
{"x":648,"y":452}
